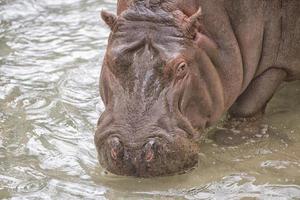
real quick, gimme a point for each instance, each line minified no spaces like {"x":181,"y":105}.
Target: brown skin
{"x":173,"y":67}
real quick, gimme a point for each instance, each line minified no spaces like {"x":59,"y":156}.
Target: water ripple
{"x":50,"y":58}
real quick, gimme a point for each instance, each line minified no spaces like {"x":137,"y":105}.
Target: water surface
{"x":50,"y":58}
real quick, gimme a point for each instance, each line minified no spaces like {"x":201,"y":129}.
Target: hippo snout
{"x":149,"y":157}
{"x":117,"y":152}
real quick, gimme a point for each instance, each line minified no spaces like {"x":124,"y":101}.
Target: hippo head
{"x":159,"y":89}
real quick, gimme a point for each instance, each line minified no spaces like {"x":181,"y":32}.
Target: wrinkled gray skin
{"x":172,"y":69}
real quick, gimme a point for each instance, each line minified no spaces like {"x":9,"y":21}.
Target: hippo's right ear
{"x":108,"y":18}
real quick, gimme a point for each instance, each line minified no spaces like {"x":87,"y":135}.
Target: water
{"x":50,"y":58}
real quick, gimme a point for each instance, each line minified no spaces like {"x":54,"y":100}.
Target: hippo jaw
{"x":157,"y":91}
{"x":151,"y":157}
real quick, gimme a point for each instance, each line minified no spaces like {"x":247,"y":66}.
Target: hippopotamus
{"x":173,"y":68}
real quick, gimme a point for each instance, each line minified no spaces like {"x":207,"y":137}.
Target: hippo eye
{"x":181,"y":70}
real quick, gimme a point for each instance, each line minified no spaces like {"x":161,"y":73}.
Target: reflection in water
{"x":50,"y":58}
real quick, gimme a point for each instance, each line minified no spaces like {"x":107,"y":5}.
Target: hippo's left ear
{"x":193,"y":23}
{"x":108,"y":18}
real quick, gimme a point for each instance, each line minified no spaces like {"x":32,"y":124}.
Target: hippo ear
{"x":108,"y":18}
{"x":193,"y":24}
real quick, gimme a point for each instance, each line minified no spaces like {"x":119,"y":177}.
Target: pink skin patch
{"x":149,"y":156}
{"x":113,"y":154}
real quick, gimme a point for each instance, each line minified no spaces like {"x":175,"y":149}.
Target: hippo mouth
{"x":156,"y":155}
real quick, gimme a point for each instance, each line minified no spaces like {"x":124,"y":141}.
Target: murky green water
{"x":50,"y":57}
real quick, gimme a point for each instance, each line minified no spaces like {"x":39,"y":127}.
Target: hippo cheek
{"x":195,"y":103}
{"x":197,"y":115}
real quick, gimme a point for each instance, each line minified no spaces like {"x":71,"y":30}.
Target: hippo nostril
{"x":149,"y":156}
{"x":114,"y":154}
{"x":149,"y":151}
{"x":117,"y":149}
